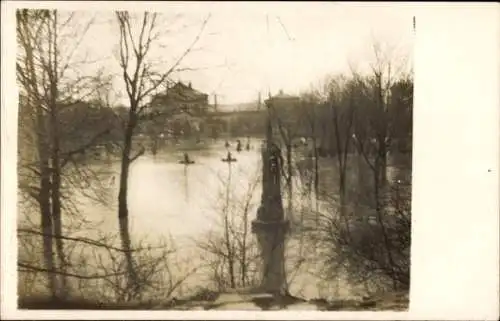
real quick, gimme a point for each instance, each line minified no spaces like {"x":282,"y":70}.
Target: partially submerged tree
{"x":142,"y":78}
{"x":230,"y":247}
{"x":46,"y":64}
{"x":365,"y":232}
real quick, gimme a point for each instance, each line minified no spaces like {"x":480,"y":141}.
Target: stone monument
{"x":270,"y":226}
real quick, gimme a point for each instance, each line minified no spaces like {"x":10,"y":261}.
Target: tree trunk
{"x":315,"y":176}
{"x":123,"y":208}
{"x":132,"y":282}
{"x":56,"y":205}
{"x":244,"y":249}
{"x":289,"y":179}
{"x":43,"y":150}
{"x":45,"y":209}
{"x":230,"y":253}
{"x":380,"y":220}
{"x":47,"y":239}
{"x":316,"y":170}
{"x":55,"y":156}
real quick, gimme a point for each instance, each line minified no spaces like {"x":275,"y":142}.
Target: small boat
{"x":186,"y":160}
{"x":229,"y":158}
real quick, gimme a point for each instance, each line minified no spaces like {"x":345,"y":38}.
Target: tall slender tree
{"x":47,"y":42}
{"x":142,"y":78}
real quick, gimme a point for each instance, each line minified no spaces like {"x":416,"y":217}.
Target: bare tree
{"x":365,"y":233}
{"x":47,"y":41}
{"x":26,"y":36}
{"x":231,"y":249}
{"x":373,"y":135}
{"x":288,"y":130}
{"x":141,"y":79}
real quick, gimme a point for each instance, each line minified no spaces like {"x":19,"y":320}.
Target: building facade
{"x":179,"y":112}
{"x":283,"y":101}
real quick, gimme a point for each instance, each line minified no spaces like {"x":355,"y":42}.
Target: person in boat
{"x":238,"y":146}
{"x":186,"y":159}
{"x":229,"y":157}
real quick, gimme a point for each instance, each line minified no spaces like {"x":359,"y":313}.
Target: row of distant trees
{"x":358,"y":127}
{"x":362,"y":124}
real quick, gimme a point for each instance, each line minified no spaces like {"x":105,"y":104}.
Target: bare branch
{"x":178,"y":61}
{"x":28,"y":267}
{"x":139,"y":154}
{"x":84,"y":147}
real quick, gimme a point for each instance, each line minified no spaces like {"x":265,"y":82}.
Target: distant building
{"x":285,"y":108}
{"x":180,"y":110}
{"x":181,"y":98}
{"x":283,"y":101}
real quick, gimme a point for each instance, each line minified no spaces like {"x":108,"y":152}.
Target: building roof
{"x":179,"y":92}
{"x":183,"y":91}
{"x":282,"y":96}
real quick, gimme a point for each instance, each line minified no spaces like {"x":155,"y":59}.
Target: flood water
{"x":168,"y":200}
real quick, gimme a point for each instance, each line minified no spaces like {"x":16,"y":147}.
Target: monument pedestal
{"x":271,"y":238}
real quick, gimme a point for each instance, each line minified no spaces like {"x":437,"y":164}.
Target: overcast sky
{"x":252,"y":47}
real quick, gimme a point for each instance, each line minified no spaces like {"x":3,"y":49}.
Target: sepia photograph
{"x":234,"y":156}
{"x":206,"y":159}
{"x":249,"y":160}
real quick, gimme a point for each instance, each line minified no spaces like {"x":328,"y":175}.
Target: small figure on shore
{"x":227,"y":144}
